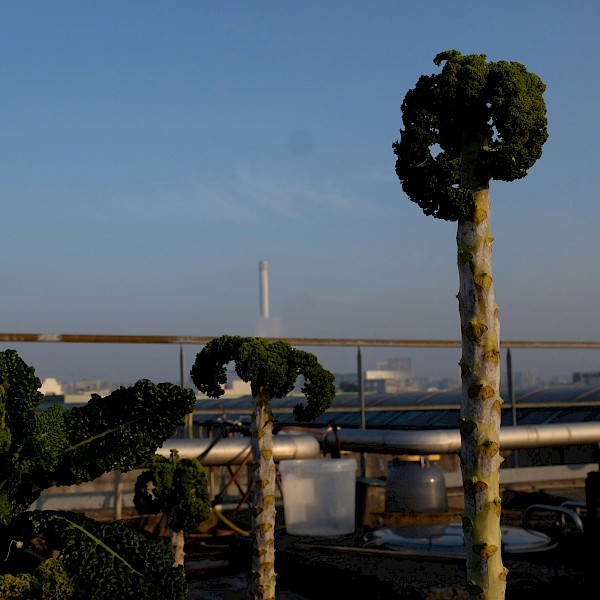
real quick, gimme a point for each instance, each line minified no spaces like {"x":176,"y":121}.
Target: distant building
{"x":347,"y":382}
{"x":397,"y":364}
{"x":390,"y":377}
{"x":237,"y":387}
{"x":87,"y":385}
{"x":525,"y":380}
{"x":387,"y":382}
{"x":51,"y":387}
{"x":592,"y":378}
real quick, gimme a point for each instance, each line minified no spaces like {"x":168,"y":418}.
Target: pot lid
{"x":448,"y":540}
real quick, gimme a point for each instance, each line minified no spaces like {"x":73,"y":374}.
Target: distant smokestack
{"x":264,"y":289}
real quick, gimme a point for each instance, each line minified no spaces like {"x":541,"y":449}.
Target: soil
{"x":325,"y":568}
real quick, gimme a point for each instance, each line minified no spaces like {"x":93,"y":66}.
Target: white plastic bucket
{"x":319,"y":496}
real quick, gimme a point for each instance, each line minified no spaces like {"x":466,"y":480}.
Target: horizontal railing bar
{"x":202,"y":340}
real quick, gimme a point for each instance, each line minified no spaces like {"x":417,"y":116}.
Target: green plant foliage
{"x":176,"y":487}
{"x":271,"y":368}
{"x":52,"y":580}
{"x":491,"y":115}
{"x":122,"y":430}
{"x":57,"y":447}
{"x":19,"y":392}
{"x":106,"y":560}
{"x":16,"y":586}
{"x":48,"y":581}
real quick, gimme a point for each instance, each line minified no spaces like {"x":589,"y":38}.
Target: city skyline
{"x":522,"y":379}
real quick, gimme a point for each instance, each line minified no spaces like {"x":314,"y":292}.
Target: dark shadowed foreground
{"x":318,"y":568}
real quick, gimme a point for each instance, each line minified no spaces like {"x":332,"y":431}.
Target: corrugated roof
{"x":421,"y":409}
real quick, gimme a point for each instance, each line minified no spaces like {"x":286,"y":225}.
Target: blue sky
{"x":152,"y":153}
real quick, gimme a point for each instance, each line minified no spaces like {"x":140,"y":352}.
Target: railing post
{"x":511,"y":395}
{"x":189,"y":418}
{"x":361,"y":399}
{"x":181,"y":366}
{"x":118,"y":497}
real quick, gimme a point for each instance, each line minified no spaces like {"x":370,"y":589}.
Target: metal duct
{"x":447,"y":441}
{"x":233,"y":451}
{"x":380,"y":441}
{"x":390,"y":441}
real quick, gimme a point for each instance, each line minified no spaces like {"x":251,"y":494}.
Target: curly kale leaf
{"x":176,"y":487}
{"x":318,"y":387}
{"x":48,"y":581}
{"x":32,"y":465}
{"x":45,"y":438}
{"x":29,"y":441}
{"x":257,"y":361}
{"x":472,"y":122}
{"x":29,"y":468}
{"x":105,"y":560}
{"x":52,"y":581}
{"x":19,"y":397}
{"x":122,"y":430}
{"x":57,"y":447}
{"x":272,"y":368}
{"x":16,"y":587}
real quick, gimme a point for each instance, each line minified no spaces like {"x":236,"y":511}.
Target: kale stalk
{"x":272,"y":370}
{"x":473,"y":122}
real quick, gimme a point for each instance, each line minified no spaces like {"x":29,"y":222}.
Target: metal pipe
{"x":447,"y":441}
{"x":554,"y":434}
{"x":232,"y":451}
{"x":389,"y":441}
{"x":381,"y":441}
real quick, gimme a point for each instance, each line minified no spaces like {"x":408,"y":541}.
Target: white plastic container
{"x":319,"y":496}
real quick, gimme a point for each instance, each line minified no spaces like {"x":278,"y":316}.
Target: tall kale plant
{"x":473,"y":122}
{"x":272,"y":370}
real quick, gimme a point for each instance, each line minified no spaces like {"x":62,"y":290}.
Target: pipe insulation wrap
{"x":233,"y":451}
{"x":224,"y":451}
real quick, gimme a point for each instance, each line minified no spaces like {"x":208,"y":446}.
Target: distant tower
{"x":264,"y":289}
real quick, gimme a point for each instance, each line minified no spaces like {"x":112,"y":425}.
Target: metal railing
{"x":201,"y":340}
{"x":358,"y":343}
{"x":302,"y":342}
